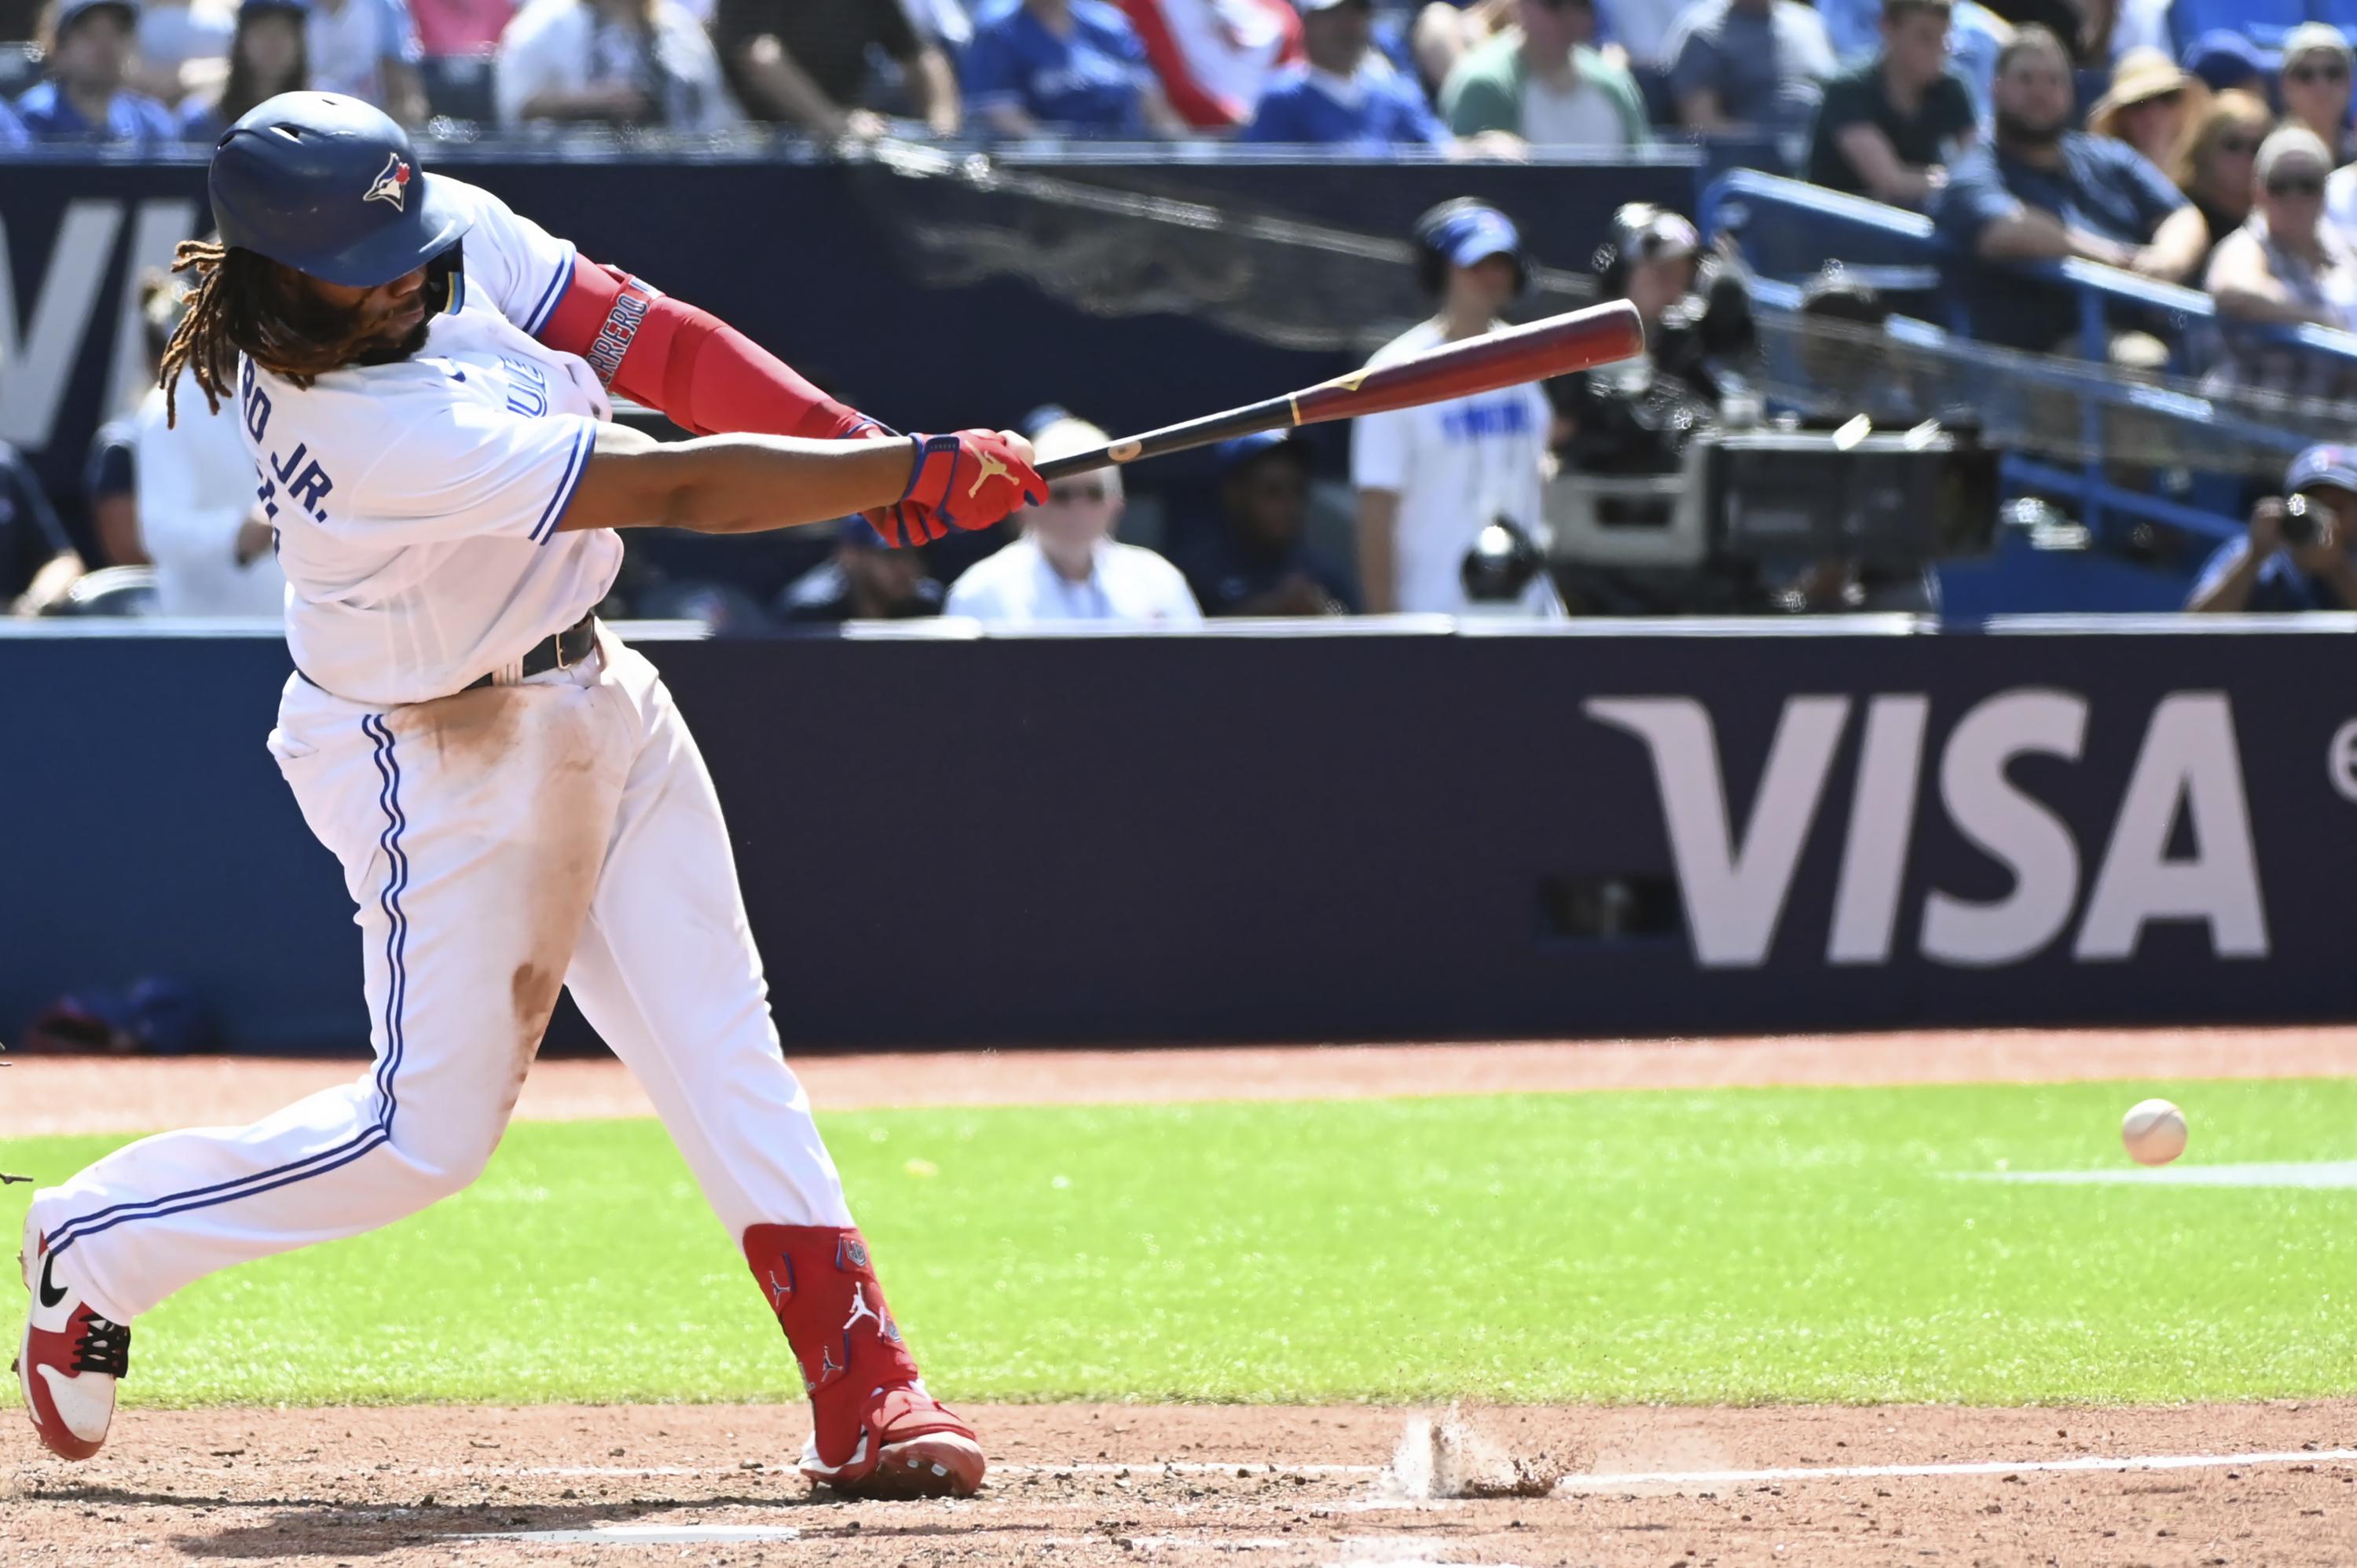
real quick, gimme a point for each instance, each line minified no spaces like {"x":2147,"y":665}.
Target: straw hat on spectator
{"x":2144,"y":74}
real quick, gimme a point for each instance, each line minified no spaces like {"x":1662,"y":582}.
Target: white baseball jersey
{"x":1457,"y":466}
{"x":1018,"y":585}
{"x":418,"y":503}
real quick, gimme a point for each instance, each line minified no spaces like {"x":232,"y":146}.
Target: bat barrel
{"x":1557,"y":346}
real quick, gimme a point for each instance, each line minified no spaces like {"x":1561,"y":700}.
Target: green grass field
{"x":1745,"y":1245}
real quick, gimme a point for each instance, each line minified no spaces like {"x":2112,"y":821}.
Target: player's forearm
{"x":734,"y":484}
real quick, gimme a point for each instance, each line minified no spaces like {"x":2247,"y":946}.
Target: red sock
{"x":822,"y":1287}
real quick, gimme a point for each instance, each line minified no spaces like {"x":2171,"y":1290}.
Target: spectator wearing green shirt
{"x":1890,"y":128}
{"x":1538,"y":85}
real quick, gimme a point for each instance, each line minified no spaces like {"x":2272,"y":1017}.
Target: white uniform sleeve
{"x":518,"y":266}
{"x":467,"y":471}
{"x":1378,"y":450}
{"x":178,"y":522}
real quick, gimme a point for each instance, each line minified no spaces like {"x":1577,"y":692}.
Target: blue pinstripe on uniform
{"x":576,"y":463}
{"x":376,"y":1133}
{"x":550,"y":295}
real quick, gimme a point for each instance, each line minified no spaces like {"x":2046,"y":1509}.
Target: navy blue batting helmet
{"x":330,"y":187}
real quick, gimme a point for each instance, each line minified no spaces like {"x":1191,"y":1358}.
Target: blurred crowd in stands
{"x":2118,"y":131}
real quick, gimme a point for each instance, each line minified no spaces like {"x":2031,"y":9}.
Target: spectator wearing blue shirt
{"x":1063,"y":67}
{"x":2045,"y":193}
{"x":12,"y":130}
{"x":1344,"y":95}
{"x":83,"y":98}
{"x":2296,"y":552}
{"x":1749,"y":65}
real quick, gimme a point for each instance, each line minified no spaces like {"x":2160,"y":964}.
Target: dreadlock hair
{"x":245,"y":303}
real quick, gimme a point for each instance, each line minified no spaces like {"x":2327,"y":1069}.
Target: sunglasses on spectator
{"x":2333,"y":71}
{"x":2296,"y":184}
{"x":2238,"y":146}
{"x":1092,"y":492}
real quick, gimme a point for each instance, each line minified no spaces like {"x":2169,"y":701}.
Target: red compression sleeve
{"x":704,"y":375}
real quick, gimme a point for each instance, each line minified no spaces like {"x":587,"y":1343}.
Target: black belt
{"x":563,"y":651}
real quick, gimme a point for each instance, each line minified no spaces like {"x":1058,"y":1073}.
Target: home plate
{"x":648,"y":1534}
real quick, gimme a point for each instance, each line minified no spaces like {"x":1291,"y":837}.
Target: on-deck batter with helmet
{"x":422,"y":377}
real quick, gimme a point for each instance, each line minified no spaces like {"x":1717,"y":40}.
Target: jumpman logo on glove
{"x":992,"y":468}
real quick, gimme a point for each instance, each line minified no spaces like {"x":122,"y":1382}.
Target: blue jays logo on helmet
{"x":330,"y":186}
{"x":392,"y":183}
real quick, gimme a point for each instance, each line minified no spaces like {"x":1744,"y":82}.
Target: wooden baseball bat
{"x":1576,"y":340}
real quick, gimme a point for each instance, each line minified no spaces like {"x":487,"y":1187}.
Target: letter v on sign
{"x":38,"y":365}
{"x":1734,"y":887}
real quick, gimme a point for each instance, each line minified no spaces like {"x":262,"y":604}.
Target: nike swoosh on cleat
{"x":50,"y":1295}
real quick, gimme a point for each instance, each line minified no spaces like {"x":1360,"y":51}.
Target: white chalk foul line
{"x":1144,"y":1469}
{"x":1992,"y":1467}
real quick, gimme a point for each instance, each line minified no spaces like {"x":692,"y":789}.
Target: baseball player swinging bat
{"x":1575,"y":340}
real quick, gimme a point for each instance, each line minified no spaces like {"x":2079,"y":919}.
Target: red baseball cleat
{"x":909,"y":1446}
{"x":875,"y":1431}
{"x":69,"y":1362}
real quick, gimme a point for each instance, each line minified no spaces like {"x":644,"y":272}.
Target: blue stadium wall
{"x":1323,"y":837}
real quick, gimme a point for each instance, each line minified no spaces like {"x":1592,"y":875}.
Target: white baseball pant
{"x":496,"y":842}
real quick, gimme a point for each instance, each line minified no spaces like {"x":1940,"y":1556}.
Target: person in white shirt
{"x":1067,"y":564}
{"x":215,"y":551}
{"x":624,"y":62}
{"x":1430,"y":479}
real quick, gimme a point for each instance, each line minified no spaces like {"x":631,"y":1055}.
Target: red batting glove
{"x":968,"y":480}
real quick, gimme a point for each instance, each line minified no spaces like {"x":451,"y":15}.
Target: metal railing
{"x":1908,"y":253}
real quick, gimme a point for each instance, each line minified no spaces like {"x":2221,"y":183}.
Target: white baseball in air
{"x":2154,"y":1131}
